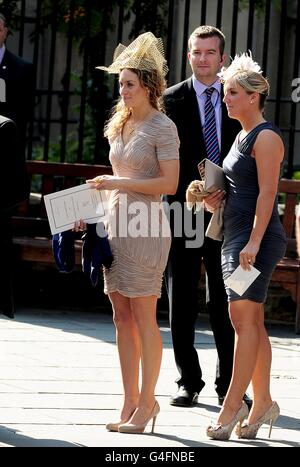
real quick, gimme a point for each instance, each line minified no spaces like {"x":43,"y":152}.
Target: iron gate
{"x":66,"y":39}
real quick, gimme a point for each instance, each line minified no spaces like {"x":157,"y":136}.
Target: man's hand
{"x":79,"y":225}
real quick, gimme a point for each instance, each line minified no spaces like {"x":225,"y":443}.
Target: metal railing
{"x":70,"y":112}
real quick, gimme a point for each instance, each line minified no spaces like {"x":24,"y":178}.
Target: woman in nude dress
{"x":144,"y":156}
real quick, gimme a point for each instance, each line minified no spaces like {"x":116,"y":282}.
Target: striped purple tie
{"x":210,"y":129}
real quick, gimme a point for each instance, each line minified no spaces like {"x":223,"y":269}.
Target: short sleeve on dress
{"x":167,"y":141}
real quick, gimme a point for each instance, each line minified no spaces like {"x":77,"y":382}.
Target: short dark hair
{"x":208,"y":31}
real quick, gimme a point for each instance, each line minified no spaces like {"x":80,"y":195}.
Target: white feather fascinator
{"x":243,"y":63}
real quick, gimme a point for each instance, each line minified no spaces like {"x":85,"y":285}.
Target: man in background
{"x":205,"y":131}
{"x":13,"y":190}
{"x":16,"y":86}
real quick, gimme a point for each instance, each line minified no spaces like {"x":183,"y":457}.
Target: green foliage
{"x":100,"y":16}
{"x":71,"y":144}
{"x":150,"y":15}
{"x":296,"y":175}
{"x":9,"y":9}
{"x":259,"y":5}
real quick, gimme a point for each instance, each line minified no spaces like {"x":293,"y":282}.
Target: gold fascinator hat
{"x":146,"y":52}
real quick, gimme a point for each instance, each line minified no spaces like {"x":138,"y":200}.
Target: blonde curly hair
{"x":150,"y":80}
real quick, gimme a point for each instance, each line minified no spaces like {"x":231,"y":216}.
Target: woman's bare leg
{"x":144,"y":311}
{"x":128,"y":342}
{"x":244,"y":315}
{"x":261,"y":375}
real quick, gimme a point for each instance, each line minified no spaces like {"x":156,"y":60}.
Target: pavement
{"x":60,"y":384}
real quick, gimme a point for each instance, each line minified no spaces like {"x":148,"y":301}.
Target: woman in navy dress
{"x":253,"y":235}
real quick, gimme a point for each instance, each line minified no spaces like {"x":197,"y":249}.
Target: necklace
{"x":133,"y":126}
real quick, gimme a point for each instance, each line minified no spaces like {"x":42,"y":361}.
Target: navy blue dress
{"x":242,"y":186}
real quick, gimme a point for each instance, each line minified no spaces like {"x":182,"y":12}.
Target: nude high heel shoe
{"x":247,"y":431}
{"x":131,"y":428}
{"x":114,"y":426}
{"x":223,"y":432}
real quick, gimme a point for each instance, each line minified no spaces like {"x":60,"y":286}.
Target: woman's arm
{"x":268,"y":152}
{"x":165,"y":183}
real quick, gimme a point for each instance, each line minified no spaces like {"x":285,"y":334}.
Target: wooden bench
{"x":32,"y":239}
{"x":287,"y":272}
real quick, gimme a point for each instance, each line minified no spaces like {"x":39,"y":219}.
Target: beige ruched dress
{"x":138,"y":229}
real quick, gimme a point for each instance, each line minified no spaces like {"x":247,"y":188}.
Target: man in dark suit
{"x":16,"y":86}
{"x":14,"y":188}
{"x":186,"y":104}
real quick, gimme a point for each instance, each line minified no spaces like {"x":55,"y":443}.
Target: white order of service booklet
{"x":79,"y":202}
{"x":241,"y":279}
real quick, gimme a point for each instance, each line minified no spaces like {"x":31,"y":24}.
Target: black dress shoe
{"x":248,"y":401}
{"x":221,"y":400}
{"x":246,"y":398}
{"x":184,"y":397}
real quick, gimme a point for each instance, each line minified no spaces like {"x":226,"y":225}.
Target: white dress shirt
{"x":200,"y":89}
{"x":2,"y":50}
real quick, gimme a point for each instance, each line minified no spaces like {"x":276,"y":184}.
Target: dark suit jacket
{"x":18,"y":75}
{"x":182,"y":107}
{"x":14,"y":186}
